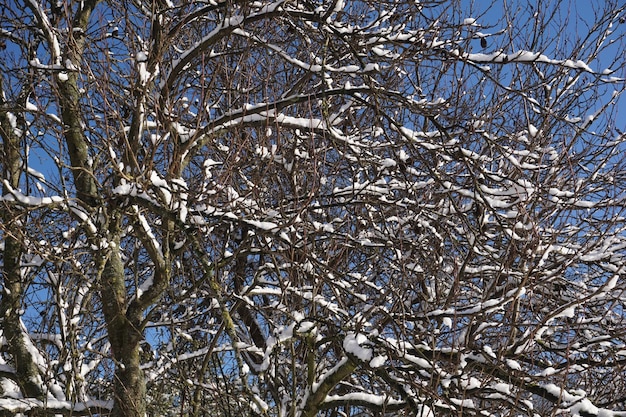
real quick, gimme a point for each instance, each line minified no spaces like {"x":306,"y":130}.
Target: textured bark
{"x":27,"y":373}
{"x":124,"y":336}
{"x":77,"y":143}
{"x":317,"y":396}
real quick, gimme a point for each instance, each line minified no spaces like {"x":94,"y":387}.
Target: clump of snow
{"x":145,"y":286}
{"x":268,"y":226}
{"x":387,"y":163}
{"x":366,"y":397}
{"x":355,"y":344}
{"x":528,"y":56}
{"x":305,"y":326}
{"x":378,"y":361}
{"x":30,"y":106}
{"x":513,"y":364}
{"x":548,"y":371}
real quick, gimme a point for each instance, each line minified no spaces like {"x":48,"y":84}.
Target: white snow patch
{"x":30,"y":106}
{"x":513,"y":364}
{"x":145,"y":286}
{"x":305,"y":326}
{"x":378,"y":361}
{"x":262,"y":225}
{"x":16,"y":195}
{"x":502,"y":388}
{"x":365,"y":397}
{"x":353,"y":343}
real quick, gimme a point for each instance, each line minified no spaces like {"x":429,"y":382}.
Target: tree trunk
{"x":13,"y":281}
{"x":130,"y":384}
{"x":124,"y":336}
{"x":27,"y":373}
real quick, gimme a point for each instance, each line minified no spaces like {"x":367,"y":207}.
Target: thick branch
{"x":27,"y":372}
{"x":316,"y":398}
{"x":71,"y":111}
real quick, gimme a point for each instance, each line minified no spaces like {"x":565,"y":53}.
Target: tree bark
{"x":27,"y":373}
{"x":124,"y":335}
{"x":130,"y":384}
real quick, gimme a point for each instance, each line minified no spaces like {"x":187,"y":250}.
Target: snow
{"x":8,"y":388}
{"x":371,"y":67}
{"x":382,"y":52}
{"x":513,"y":364}
{"x":364,"y":397}
{"x":30,"y":106}
{"x":502,"y":388}
{"x":354,"y":343}
{"x":258,"y":405}
{"x":577,"y":400}
{"x":489,"y":351}
{"x":185,"y":133}
{"x":16,"y":195}
{"x":548,"y":371}
{"x":526,"y":56}
{"x":145,"y":286}
{"x":568,"y":312}
{"x":141,"y":59}
{"x":378,"y":361}
{"x":23,"y":405}
{"x":148,"y":233}
{"x":584,"y":204}
{"x":421,"y":362}
{"x":133,"y":190}
{"x":339,"y":5}
{"x":163,"y":187}
{"x":465,"y":402}
{"x":70,"y":65}
{"x":305,"y":326}
{"x":144,"y":74}
{"x":327,"y":374}
{"x":469,"y":383}
{"x":268,"y":226}
{"x":388,"y":163}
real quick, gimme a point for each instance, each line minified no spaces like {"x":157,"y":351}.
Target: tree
{"x":312,"y":208}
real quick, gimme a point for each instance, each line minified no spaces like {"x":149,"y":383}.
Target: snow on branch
{"x":55,"y":407}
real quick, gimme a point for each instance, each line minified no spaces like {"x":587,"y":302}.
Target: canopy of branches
{"x":312,"y":207}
